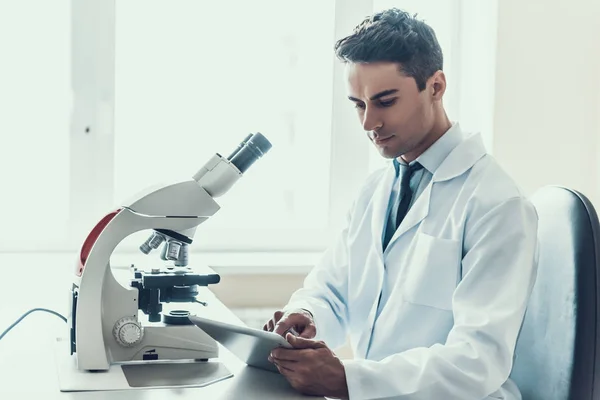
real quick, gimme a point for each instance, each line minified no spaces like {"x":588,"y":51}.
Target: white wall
{"x":547,"y":106}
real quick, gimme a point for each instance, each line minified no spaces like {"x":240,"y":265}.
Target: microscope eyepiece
{"x":251,"y":149}
{"x":240,"y":146}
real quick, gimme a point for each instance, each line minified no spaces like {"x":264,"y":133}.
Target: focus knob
{"x":128,"y":332}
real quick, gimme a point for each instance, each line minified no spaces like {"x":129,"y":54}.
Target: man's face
{"x":395,"y":115}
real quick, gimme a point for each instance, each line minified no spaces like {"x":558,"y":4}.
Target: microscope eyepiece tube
{"x":240,"y":146}
{"x":253,"y":149}
{"x":219,"y":174}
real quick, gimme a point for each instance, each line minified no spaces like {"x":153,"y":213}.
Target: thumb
{"x":282,"y":326}
{"x":301,"y":343}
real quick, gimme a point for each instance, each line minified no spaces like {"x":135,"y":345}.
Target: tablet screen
{"x":250,"y":345}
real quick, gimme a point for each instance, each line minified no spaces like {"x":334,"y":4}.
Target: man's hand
{"x":300,"y":320}
{"x":311,"y":368}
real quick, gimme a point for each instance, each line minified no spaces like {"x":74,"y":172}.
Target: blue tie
{"x":406,"y":196}
{"x":406,"y":193}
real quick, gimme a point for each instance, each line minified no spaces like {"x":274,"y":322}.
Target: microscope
{"x":106,"y":326}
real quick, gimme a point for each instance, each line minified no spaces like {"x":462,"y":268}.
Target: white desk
{"x":27,"y":363}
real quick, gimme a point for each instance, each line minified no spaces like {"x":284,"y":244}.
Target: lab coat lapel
{"x":381,"y":199}
{"x":415,"y":214}
{"x":460,"y":160}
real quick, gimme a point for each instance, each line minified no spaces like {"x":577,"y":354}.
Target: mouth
{"x":382,"y":140}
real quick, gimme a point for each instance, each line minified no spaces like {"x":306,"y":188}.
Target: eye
{"x":387,"y":103}
{"x":359,"y":105}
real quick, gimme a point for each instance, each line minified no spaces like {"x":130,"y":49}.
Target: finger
{"x":271,"y":325}
{"x":309,"y":332}
{"x":302,"y":343}
{"x":288,"y":354}
{"x":287,"y":366}
{"x":282,"y":326}
{"x":284,"y":371}
{"x":298,"y":320}
{"x":277,"y":316}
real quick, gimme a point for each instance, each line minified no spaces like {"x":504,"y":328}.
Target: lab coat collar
{"x":461,"y":159}
{"x":432,"y":158}
{"x":435,"y":157}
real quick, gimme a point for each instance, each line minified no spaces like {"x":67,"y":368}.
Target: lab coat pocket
{"x":431,"y":273}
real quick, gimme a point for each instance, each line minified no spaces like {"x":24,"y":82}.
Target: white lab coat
{"x":466,"y":253}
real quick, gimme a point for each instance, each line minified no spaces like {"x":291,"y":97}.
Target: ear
{"x":437,"y":84}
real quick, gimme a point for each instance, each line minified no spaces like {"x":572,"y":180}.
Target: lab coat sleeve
{"x":325,"y":292}
{"x":499,"y":268}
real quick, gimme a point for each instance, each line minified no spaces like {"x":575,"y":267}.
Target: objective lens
{"x":182,"y":260}
{"x":173,"y":250}
{"x":250,"y":151}
{"x":152,"y":243}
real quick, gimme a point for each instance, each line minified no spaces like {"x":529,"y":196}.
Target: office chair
{"x":557,"y":349}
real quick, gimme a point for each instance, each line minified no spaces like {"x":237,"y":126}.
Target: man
{"x":431,"y":276}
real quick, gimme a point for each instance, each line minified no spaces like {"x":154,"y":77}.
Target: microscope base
{"x":135,"y":375}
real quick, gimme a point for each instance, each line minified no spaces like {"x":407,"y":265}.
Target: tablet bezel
{"x":263,"y":341}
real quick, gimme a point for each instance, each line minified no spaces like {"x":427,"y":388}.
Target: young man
{"x":432,"y":274}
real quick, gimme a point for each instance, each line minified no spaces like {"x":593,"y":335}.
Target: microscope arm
{"x":100,"y":305}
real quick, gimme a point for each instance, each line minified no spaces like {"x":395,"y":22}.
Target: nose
{"x":371,"y":120}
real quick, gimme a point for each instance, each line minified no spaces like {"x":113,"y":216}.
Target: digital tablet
{"x":250,"y":345}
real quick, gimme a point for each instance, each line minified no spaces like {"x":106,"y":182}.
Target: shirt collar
{"x":433,"y":157}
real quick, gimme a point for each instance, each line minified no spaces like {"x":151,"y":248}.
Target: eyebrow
{"x":377,"y":96}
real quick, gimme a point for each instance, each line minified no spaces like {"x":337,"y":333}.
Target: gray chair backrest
{"x":557,"y":352}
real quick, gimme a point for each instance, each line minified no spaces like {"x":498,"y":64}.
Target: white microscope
{"x":105,"y":327}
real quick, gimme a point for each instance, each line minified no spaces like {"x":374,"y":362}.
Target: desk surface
{"x":27,"y":363}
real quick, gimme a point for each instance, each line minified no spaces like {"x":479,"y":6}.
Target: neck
{"x":440,"y":127}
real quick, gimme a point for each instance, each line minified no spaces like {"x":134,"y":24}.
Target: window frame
{"x":92,"y":130}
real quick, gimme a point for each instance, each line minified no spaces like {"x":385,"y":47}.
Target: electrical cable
{"x":26,"y":314}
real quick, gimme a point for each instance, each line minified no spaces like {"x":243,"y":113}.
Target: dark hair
{"x":394,"y":36}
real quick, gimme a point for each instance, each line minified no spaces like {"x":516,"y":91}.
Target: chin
{"x":389,"y":153}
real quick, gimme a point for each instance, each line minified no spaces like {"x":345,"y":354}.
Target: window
{"x":157,"y":87}
{"x":193,"y":78}
{"x":35,"y":100}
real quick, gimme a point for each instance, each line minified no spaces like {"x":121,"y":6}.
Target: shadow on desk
{"x":251,"y":384}
{"x":248,"y":383}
